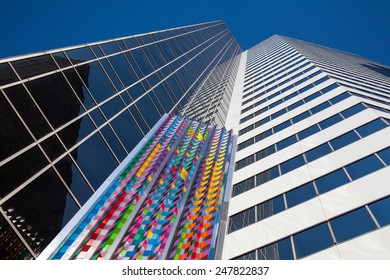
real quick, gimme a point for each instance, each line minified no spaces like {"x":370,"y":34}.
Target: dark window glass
{"x":267,"y":175}
{"x":371,"y":127}
{"x":131,"y":43}
{"x":329,"y":88}
{"x":156,"y":56}
{"x":385,"y":155}
{"x":136,"y":91}
{"x":295,"y":105}
{"x":53,"y":94}
{"x":312,"y":240}
{"x":292,"y":164}
{"x":7,"y":76}
{"x":80,"y":55}
{"x":300,"y":194}
{"x":21,"y":168}
{"x":312,"y":96}
{"x":111,"y":74}
{"x":363,"y":167}
{"x":352,"y":224}
{"x":302,"y":116}
{"x":127,"y":130}
{"x":353,"y":110}
{"x":123,"y":69}
{"x":98,"y":52}
{"x":53,"y":147}
{"x":78,"y":86}
{"x":164,"y":97}
{"x":113,"y":142}
{"x":76,"y":131}
{"x":74,"y":180}
{"x":97,"y":117}
{"x":11,"y":247}
{"x":339,"y":98}
{"x":270,"y":207}
{"x":344,"y":140}
{"x":97,"y":82}
{"x":279,"y":113}
{"x":148,"y":111}
{"x":318,"y":152}
{"x":280,"y":250}
{"x":265,"y":152}
{"x":112,"y":107}
{"x":45,"y":206}
{"x":34,"y":66}
{"x":95,"y":160}
{"x":110,"y":48}
{"x":320,"y":107}
{"x":331,"y":181}
{"x":282,"y":126}
{"x":242,"y":219}
{"x":61,"y":59}
{"x":245,"y":162}
{"x":11,"y":142}
{"x":381,"y":210}
{"x":330,"y":121}
{"x":139,"y":119}
{"x":245,"y":144}
{"x":308,"y":132}
{"x":28,"y":111}
{"x":286,"y":142}
{"x":243,"y":186}
{"x":142,"y":61}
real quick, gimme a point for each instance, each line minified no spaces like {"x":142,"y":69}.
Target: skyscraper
{"x":312,"y":123}
{"x":312,"y":163}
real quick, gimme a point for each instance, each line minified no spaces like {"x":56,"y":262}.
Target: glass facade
{"x":70,"y":116}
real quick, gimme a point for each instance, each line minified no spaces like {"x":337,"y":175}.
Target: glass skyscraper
{"x":312,"y":163}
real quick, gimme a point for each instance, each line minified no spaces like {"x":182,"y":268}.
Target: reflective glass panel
{"x":385,"y":155}
{"x":292,"y":164}
{"x":381,"y":210}
{"x":371,"y":127}
{"x":312,"y":240}
{"x":300,"y":194}
{"x":280,"y":250}
{"x":352,"y":224}
{"x":34,"y":66}
{"x":331,"y":181}
{"x":45,"y":207}
{"x":363,"y":167}
{"x":80,"y":55}
{"x":7,"y":76}
{"x":318,"y":152}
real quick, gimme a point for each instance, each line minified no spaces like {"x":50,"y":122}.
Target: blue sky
{"x":361,"y":26}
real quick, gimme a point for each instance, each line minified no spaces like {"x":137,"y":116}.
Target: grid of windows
{"x":71,"y":116}
{"x":325,"y":235}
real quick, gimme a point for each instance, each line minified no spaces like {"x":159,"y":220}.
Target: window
{"x":270,"y":207}
{"x":363,"y":167}
{"x":295,"y":105}
{"x":300,"y":194}
{"x":312,"y":96}
{"x":353,"y":110}
{"x":352,"y":224}
{"x":248,"y":256}
{"x":320,"y":107}
{"x":301,"y":117}
{"x":280,"y":250}
{"x":318,"y":152}
{"x":265,"y":152}
{"x":329,"y":88}
{"x":331,"y":181}
{"x":292,"y":164}
{"x":282,"y":126}
{"x":385,"y":155}
{"x":267,"y":175}
{"x":330,"y":121}
{"x":243,"y":186}
{"x":263,"y":135}
{"x":308,"y":132}
{"x":286,"y":142}
{"x":371,"y":127}
{"x":381,"y":210}
{"x":242,"y":219}
{"x":340,"y":97}
{"x":344,"y":140}
{"x":245,"y":161}
{"x":312,"y":240}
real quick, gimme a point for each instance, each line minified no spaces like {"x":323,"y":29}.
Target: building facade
{"x":312,"y":161}
{"x":70,"y":116}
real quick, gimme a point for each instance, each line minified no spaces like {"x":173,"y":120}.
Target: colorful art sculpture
{"x":165,"y":203}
